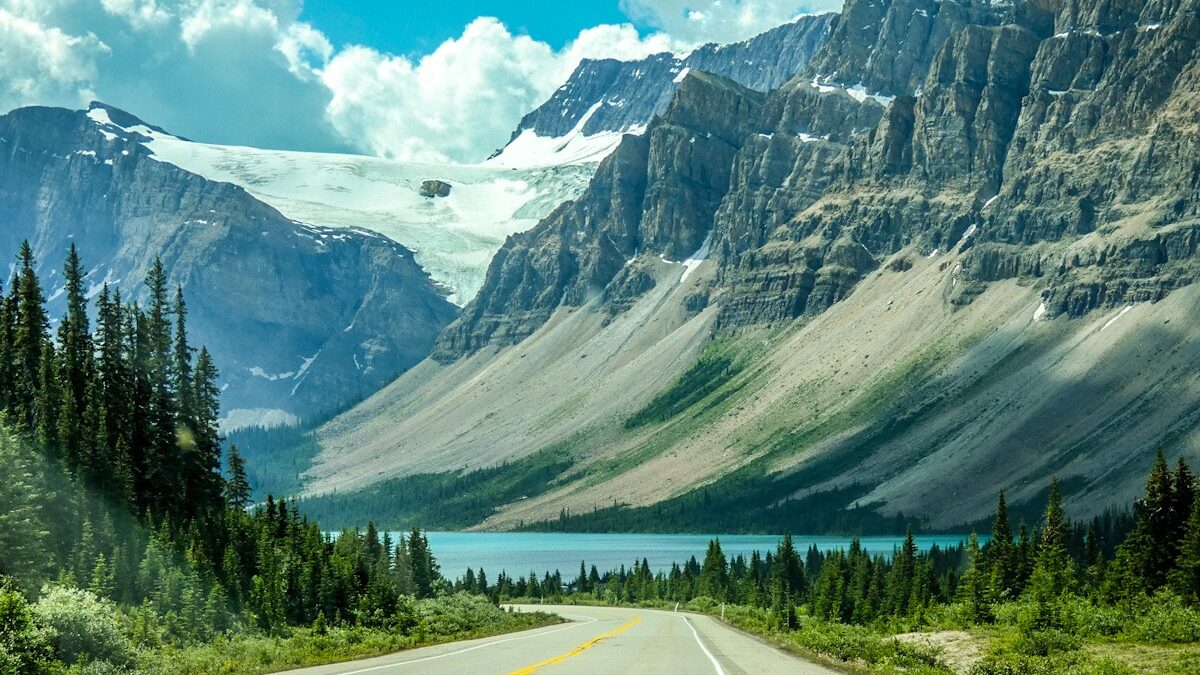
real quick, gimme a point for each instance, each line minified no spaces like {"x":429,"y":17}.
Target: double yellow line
{"x":578,"y":650}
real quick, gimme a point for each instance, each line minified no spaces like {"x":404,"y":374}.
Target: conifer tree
{"x":1148,"y":553}
{"x":1053,"y":573}
{"x":714,"y":573}
{"x":1002,"y":554}
{"x":900,"y":582}
{"x":1185,"y":577}
{"x":973,"y":588}
{"x":787,"y":570}
{"x":30,"y":335}
{"x":75,"y":359}
{"x":46,"y":401}
{"x":237,"y":488}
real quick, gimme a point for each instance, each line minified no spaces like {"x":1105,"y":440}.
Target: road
{"x":598,"y":641}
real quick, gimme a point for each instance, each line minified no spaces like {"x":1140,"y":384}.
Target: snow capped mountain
{"x":604,"y":99}
{"x":300,"y":318}
{"x":452,"y":237}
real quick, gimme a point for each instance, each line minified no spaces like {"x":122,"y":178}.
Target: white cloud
{"x":701,"y":21}
{"x":463,"y":100}
{"x":139,"y":13}
{"x":40,"y":63}
{"x":250,"y":72}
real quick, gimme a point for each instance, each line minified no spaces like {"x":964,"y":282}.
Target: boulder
{"x":435,"y":188}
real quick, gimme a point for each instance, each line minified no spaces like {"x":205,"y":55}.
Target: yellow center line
{"x":578,"y":650}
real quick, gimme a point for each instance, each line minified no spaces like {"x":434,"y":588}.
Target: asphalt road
{"x":599,"y":640}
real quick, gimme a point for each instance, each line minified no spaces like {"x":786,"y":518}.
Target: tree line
{"x":111,"y":479}
{"x":1113,"y":558}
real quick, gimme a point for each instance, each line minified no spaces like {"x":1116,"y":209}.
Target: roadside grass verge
{"x":436,"y":621}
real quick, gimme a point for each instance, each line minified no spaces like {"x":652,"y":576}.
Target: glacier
{"x":453,"y":238}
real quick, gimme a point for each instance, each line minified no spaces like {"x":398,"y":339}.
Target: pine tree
{"x":46,"y":402}
{"x":205,"y":460}
{"x":1002,"y":554}
{"x":24,"y":554}
{"x":1185,"y":578}
{"x":1148,"y":553}
{"x":31,"y":333}
{"x":1053,"y":572}
{"x":714,"y":573}
{"x":237,"y":488}
{"x":900,"y":581}
{"x":75,"y":359}
{"x":973,"y":589}
{"x":787,"y":570}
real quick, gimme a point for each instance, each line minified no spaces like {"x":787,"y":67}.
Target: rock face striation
{"x":1056,"y":141}
{"x":300,"y":319}
{"x":606,"y":95}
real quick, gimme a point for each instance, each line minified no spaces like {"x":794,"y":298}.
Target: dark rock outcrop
{"x":435,"y":188}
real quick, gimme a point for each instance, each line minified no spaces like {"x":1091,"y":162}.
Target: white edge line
{"x":471,"y":649}
{"x":716,"y":664}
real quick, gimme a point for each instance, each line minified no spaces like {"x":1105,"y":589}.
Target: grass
{"x":443,"y":620}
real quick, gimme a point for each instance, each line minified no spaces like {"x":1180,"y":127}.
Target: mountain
{"x":300,"y":318}
{"x":606,"y":98}
{"x":453,"y":237}
{"x":955,"y":254}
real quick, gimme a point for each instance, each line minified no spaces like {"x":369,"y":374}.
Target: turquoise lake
{"x":518,"y":553}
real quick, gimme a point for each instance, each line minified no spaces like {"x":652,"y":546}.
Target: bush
{"x":457,"y":614}
{"x":1164,"y":619}
{"x":83,"y":626}
{"x":1046,"y":642}
{"x":1024,"y":664}
{"x":24,"y":644}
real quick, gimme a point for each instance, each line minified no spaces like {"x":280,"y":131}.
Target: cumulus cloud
{"x":40,"y":62}
{"x":251,"y":72}
{"x":701,"y":21}
{"x":463,"y":100}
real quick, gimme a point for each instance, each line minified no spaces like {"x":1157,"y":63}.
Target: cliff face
{"x":654,"y":196}
{"x":1056,"y":139}
{"x":300,"y":319}
{"x":607,"y":95}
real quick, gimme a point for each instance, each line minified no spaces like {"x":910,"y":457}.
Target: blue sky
{"x":397,"y":28}
{"x":433,"y":82}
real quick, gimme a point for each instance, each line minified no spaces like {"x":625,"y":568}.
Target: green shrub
{"x":1164,"y":619}
{"x":24,"y":644}
{"x":1024,"y":664}
{"x":1047,"y":642}
{"x":83,"y":626}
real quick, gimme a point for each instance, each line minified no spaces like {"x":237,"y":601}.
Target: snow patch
{"x":269,"y":418}
{"x":693,"y":261}
{"x":682,"y":74}
{"x":257,"y":371}
{"x":933,"y":255}
{"x":1113,"y":320}
{"x":530,"y":150}
{"x":1040,"y":312}
{"x":967,"y":235}
{"x":990,"y":202}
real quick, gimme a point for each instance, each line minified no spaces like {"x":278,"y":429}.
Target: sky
{"x":431,"y":82}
